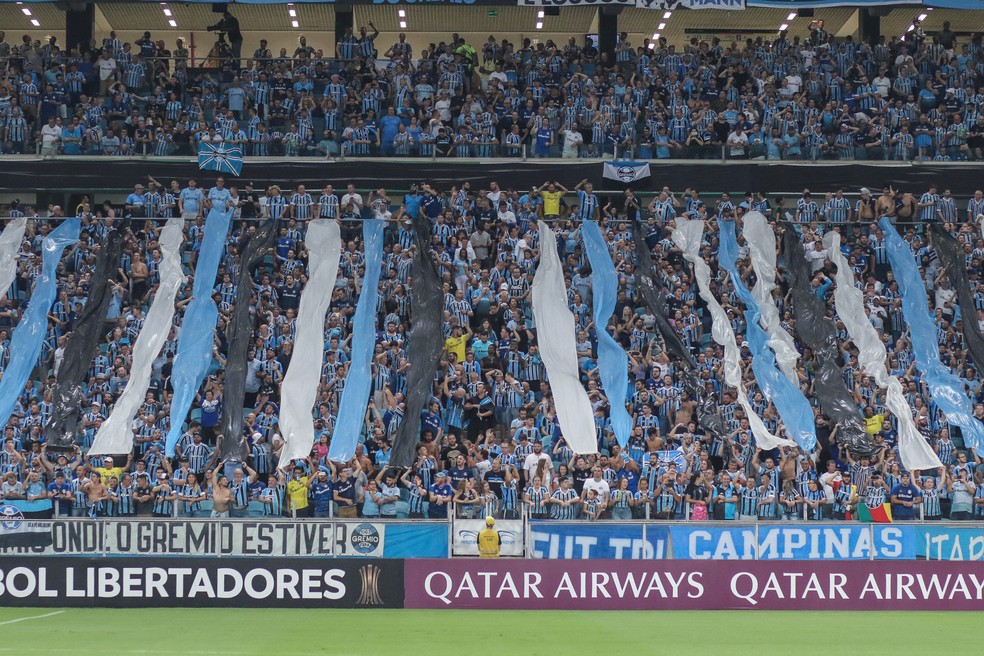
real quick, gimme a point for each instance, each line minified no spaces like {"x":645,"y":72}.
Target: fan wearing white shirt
{"x":506,"y":216}
{"x":599,"y":485}
{"x":352,"y":196}
{"x":794,"y":81}
{"x":816,"y":256}
{"x":50,"y":136}
{"x":882,"y":84}
{"x":443,"y":106}
{"x":572,"y":142}
{"x":737,"y":142}
{"x":533,"y":461}
{"x":494,"y":193}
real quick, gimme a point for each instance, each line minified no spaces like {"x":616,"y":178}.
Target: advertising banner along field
{"x":709,"y":585}
{"x":201,"y":582}
{"x":462,"y":583}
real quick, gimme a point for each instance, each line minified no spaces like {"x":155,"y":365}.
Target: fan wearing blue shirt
{"x":430,"y":419}
{"x":431,"y":203}
{"x":218,"y":196}
{"x":441,"y":494}
{"x":321,"y":494}
{"x":61,"y":495}
{"x":190,"y":201}
{"x":136,"y":201}
{"x":412,"y":201}
{"x":544,"y":139}
{"x":388,"y":125}
{"x":905,"y":497}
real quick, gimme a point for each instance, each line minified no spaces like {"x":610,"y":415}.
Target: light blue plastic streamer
{"x":794,"y":409}
{"x":613,"y":363}
{"x":358,"y":382}
{"x":25,"y":344}
{"x":194,"y":355}
{"x":945,"y":389}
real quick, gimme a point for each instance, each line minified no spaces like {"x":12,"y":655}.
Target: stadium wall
{"x":365,"y":564}
{"x":712,"y":175}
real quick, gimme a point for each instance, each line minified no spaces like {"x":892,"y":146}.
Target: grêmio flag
{"x":220,"y":157}
{"x":626,"y":171}
{"x":19,"y":529}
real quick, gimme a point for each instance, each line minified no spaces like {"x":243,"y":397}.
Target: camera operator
{"x":230,"y":25}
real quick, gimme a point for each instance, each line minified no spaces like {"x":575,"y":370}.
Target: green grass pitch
{"x":241,"y":632}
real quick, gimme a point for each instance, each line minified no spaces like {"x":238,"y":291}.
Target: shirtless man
{"x":221,"y":495}
{"x":97,"y":493}
{"x":885,"y":205}
{"x":787,"y":464}
{"x":139,"y":274}
{"x":685,"y":413}
{"x":907,"y":210}
{"x":865,"y":207}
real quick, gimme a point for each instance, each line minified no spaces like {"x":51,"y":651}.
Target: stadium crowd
{"x":921,"y":98}
{"x":490,"y":443}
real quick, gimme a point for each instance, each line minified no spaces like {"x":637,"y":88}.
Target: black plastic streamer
{"x":654,"y":296}
{"x":951,"y":257}
{"x":818,"y":332}
{"x":63,"y":425}
{"x":232,"y":443}
{"x":426,"y":343}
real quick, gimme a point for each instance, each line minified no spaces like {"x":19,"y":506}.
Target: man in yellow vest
{"x":489,"y":540}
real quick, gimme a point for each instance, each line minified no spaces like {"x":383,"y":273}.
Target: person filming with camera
{"x":230,"y":26}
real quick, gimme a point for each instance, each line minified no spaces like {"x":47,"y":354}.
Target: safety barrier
{"x":487,"y":584}
{"x":521,"y":538}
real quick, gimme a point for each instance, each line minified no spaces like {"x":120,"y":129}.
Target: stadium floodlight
{"x":169,"y":15}
{"x":791,"y":16}
{"x":783,"y":26}
{"x":667,"y":15}
{"x":539,"y":25}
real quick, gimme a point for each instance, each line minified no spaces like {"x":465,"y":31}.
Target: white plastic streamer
{"x":849,"y":303}
{"x":761,"y":242}
{"x":558,"y":346}
{"x":10,"y":242}
{"x":300,"y":387}
{"x":115,"y":436}
{"x":687,"y":236}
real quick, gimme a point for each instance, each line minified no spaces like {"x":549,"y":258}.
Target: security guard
{"x":489,"y":540}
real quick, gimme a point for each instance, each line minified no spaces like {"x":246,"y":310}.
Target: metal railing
{"x":772,"y":513}
{"x":342,"y":149}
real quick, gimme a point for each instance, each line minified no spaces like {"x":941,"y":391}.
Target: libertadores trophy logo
{"x":370,"y":586}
